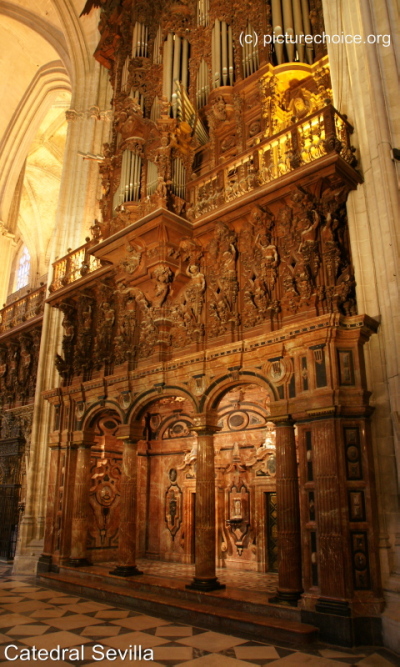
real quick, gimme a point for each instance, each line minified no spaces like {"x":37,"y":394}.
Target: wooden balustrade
{"x":72,"y":267}
{"x":23,"y":310}
{"x":322,"y":132}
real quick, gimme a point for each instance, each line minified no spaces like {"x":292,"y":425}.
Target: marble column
{"x":287,"y":493}
{"x":329,"y":498}
{"x":79,"y":523}
{"x":126,"y":566}
{"x":205,"y":578}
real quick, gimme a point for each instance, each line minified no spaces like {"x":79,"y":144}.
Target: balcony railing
{"x":325,"y":131}
{"x":27,"y":308}
{"x":73,"y":266}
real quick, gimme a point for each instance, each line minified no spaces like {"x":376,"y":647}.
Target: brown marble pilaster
{"x":288,"y":520}
{"x":79,"y":523}
{"x":205,"y":578}
{"x":128,"y":519}
{"x":328,"y":502}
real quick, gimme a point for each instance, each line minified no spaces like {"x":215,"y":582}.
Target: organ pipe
{"x":178,"y":178}
{"x":230,"y":57}
{"x":125,"y":74}
{"x":157,"y":47}
{"x":288,"y":26}
{"x":139,"y":40}
{"x":185,"y":63}
{"x":155,"y":110}
{"x":307,"y":29}
{"x":175,"y":71}
{"x":218,"y":50}
{"x":152,"y":174}
{"x":277,"y":28}
{"x":202,"y":85}
{"x":292,"y":17}
{"x":298,"y":28}
{"x":222,"y":54}
{"x":249,"y":55}
{"x":224,"y":61}
{"x":176,"y":68}
{"x":129,"y":185}
{"x":167,"y":66}
{"x":203,"y":7}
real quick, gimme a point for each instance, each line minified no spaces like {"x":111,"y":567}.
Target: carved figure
{"x":163,"y":277}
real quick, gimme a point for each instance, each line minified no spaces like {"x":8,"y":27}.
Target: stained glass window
{"x":23,"y":269}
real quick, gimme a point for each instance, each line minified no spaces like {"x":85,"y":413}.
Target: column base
{"x":335,"y":607}
{"x":79,"y":562}
{"x":44,"y":564}
{"x":205,"y":585}
{"x":288,"y":598}
{"x":125,"y":571}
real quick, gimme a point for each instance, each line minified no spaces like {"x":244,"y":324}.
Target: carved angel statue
{"x":163,"y":277}
{"x":194,"y":292}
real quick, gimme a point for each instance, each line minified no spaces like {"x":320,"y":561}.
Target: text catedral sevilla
{"x":98,"y":652}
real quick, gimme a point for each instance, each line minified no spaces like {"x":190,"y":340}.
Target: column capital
{"x":130,"y":432}
{"x":81,"y":439}
{"x":282,"y":420}
{"x":206,"y":423}
{"x":80,"y":444}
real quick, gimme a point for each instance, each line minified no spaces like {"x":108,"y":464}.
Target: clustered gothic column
{"x":287,"y":493}
{"x":7,"y":250}
{"x":79,"y":523}
{"x":205,"y":578}
{"x":129,"y":497}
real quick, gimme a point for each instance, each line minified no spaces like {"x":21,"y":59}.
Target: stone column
{"x":128,"y":519}
{"x":7,"y":250}
{"x":287,"y":493}
{"x":205,"y":578}
{"x":79,"y":523}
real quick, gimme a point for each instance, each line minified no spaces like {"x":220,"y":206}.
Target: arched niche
{"x":245,"y":464}
{"x":104,"y":496}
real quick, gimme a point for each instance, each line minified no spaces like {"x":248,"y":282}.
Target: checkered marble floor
{"x":35,"y":616}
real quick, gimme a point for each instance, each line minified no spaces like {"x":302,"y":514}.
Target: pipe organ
{"x":250,"y":60}
{"x":222,"y":54}
{"x":292,"y":17}
{"x":129,"y":185}
{"x":176,"y":67}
